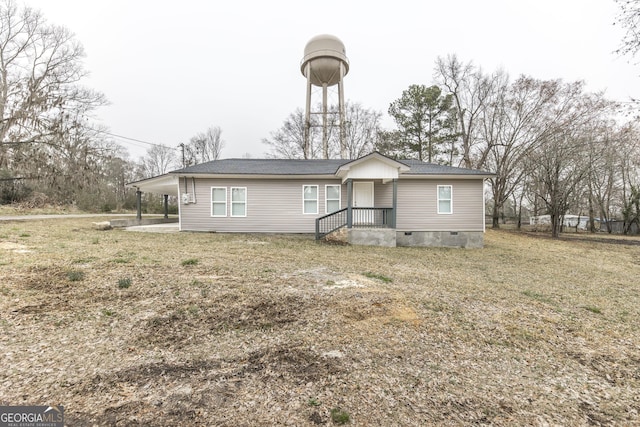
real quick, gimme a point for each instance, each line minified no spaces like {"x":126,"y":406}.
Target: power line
{"x":137,"y":142}
{"x":130,"y":139}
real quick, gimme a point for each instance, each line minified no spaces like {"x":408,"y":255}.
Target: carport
{"x":163,"y":184}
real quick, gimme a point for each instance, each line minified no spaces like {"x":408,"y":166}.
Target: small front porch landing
{"x":360,"y":226}
{"x":361,"y":218}
{"x":352,"y":217}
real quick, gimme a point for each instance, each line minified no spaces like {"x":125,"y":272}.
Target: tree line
{"x":51,"y":148}
{"x":553,"y":147}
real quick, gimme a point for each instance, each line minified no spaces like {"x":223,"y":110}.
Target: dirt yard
{"x":125,"y":328}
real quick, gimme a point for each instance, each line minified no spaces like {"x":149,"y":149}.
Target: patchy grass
{"x":377,"y":276}
{"x":593,"y":309}
{"x":340,"y":416}
{"x":274,"y":330}
{"x":75,"y":275}
{"x":124,"y":283}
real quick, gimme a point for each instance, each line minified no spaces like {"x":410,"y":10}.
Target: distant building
{"x":571,"y":221}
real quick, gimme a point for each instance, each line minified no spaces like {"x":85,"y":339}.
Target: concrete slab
{"x":372,"y":236}
{"x":156,"y":228}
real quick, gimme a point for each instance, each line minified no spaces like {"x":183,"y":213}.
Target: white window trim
{"x":449,"y":199}
{"x":326,"y":199}
{"x":308,"y":200}
{"x":225,"y":202}
{"x":246,"y":201}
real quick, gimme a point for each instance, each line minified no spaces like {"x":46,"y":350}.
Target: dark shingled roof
{"x":265,"y":167}
{"x":423,"y":168}
{"x":307,"y":167}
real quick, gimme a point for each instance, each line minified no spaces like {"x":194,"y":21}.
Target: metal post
{"x":349,"y":203}
{"x":166,"y":206}
{"x":138,"y":205}
{"x":394,"y":203}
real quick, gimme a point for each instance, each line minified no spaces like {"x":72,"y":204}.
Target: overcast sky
{"x":172,"y":69}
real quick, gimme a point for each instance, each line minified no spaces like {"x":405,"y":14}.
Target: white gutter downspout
{"x":484,"y":206}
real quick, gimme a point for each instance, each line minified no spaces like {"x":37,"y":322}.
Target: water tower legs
{"x":307,"y":115}
{"x":326,"y":123}
{"x":343,"y":146}
{"x":324,"y":65}
{"x":325,"y":134}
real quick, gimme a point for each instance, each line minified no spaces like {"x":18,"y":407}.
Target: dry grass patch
{"x":268,"y":330}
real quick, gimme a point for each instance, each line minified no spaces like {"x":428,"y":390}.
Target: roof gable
{"x":372,"y":166}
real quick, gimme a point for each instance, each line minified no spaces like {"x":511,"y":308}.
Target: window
{"x":445,"y":200}
{"x":332,"y":198}
{"x":218,"y":201}
{"x":310,"y":199}
{"x":238,"y":201}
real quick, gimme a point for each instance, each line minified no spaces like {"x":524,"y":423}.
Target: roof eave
{"x":253,"y":176}
{"x":446,"y":176}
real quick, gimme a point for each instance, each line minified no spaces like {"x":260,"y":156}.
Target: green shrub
{"x":313,"y":402}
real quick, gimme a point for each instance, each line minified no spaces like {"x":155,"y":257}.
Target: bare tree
{"x":40,"y":68}
{"x":472,"y":91}
{"x":158,"y":160}
{"x":518,"y":120}
{"x":288,"y":142}
{"x":629,"y":167}
{"x":603,"y":148}
{"x":46,"y":134}
{"x":118,"y":170}
{"x":629,"y":19}
{"x":206,"y":146}
{"x":558,"y":166}
{"x":361,"y":129}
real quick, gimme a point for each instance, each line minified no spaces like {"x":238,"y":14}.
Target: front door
{"x":362,"y":198}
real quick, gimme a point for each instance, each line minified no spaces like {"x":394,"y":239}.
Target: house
{"x":378,"y":200}
{"x":578,"y":222}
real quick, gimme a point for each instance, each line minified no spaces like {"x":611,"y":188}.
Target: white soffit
{"x":373,"y":166}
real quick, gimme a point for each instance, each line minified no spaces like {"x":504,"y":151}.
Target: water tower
{"x":324,"y":65}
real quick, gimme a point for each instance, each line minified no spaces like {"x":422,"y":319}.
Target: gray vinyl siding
{"x":382,"y":194}
{"x":418,"y":210}
{"x":418,"y":204}
{"x":273,"y":206}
